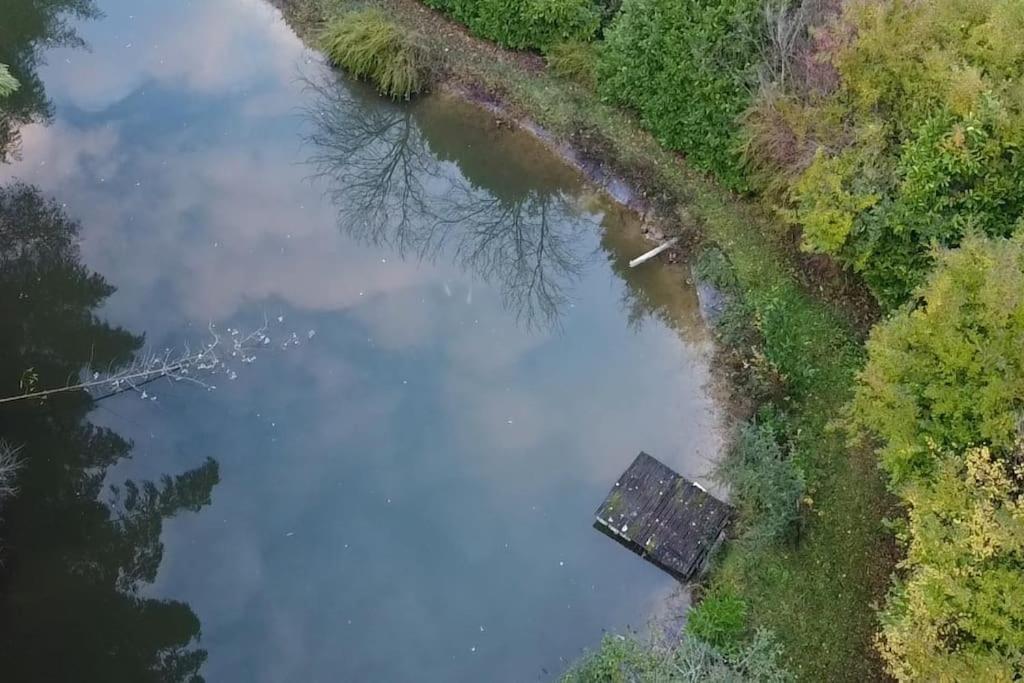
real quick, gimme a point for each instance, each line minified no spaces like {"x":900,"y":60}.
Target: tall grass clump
{"x":623,"y":659}
{"x":720,"y":620}
{"x":370,"y":46}
{"x":574,"y":60}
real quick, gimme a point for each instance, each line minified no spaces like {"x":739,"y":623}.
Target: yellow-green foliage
{"x":943,"y":392}
{"x":958,"y":615}
{"x":921,"y":142}
{"x":949,"y":372}
{"x":8,"y":83}
{"x":369,"y":45}
{"x":827,"y":201}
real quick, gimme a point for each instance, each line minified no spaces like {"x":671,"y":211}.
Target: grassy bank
{"x":817,"y":594}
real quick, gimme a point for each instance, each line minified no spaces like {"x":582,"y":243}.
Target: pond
{"x":454,"y":363}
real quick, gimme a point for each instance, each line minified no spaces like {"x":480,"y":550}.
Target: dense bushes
{"x":520,"y":24}
{"x":369,"y":45}
{"x":949,"y":373}
{"x":688,"y":67}
{"x":920,"y":141}
{"x":943,"y":392}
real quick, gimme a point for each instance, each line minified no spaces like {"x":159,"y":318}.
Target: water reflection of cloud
{"x":521,"y":413}
{"x":229,"y":46}
{"x":222,"y":229}
{"x":382,"y":444}
{"x":206,"y":231}
{"x":61,"y":152}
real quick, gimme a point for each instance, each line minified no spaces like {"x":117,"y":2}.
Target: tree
{"x":8,"y":83}
{"x":943,"y":394}
{"x":28,"y":28}
{"x":76,"y":552}
{"x":918,"y":143}
{"x":948,"y":372}
{"x":957,"y":613}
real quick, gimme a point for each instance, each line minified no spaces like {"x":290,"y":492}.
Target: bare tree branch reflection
{"x":391,"y":190}
{"x":375,"y":161}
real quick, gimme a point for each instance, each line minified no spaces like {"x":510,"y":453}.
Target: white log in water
{"x":652,"y":253}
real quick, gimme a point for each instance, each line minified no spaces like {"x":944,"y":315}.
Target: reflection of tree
{"x":76,"y":558}
{"x":531,"y":247}
{"x":377,"y":162}
{"x":27,"y":28}
{"x":392,"y":190}
{"x":47,"y":297}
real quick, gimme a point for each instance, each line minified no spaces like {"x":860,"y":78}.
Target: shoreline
{"x":613,"y":186}
{"x":808,"y":321}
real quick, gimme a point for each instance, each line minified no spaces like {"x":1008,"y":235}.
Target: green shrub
{"x":619,"y":659}
{"x":921,"y":142}
{"x":369,"y":45}
{"x":687,"y":67}
{"x":720,"y":620}
{"x":625,"y":660}
{"x":766,"y":484}
{"x":8,"y":83}
{"x":575,"y":61}
{"x":948,"y":373}
{"x":522,"y":24}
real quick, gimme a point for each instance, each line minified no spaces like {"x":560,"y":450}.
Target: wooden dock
{"x":664,"y":517}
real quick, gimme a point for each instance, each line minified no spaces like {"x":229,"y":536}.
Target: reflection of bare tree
{"x":530,"y":246}
{"x":391,"y":190}
{"x":375,"y":161}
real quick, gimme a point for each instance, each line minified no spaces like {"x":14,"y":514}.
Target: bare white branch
{"x":9,"y":466}
{"x":221,"y":355}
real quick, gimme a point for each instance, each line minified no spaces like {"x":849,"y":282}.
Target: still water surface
{"x":406,"y":494}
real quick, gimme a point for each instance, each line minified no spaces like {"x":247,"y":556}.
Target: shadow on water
{"x":389,"y":171}
{"x":77,"y":552}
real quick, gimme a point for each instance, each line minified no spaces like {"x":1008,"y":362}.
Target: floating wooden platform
{"x":664,"y":517}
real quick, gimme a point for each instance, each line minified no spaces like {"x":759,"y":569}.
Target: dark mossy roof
{"x":664,"y":517}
